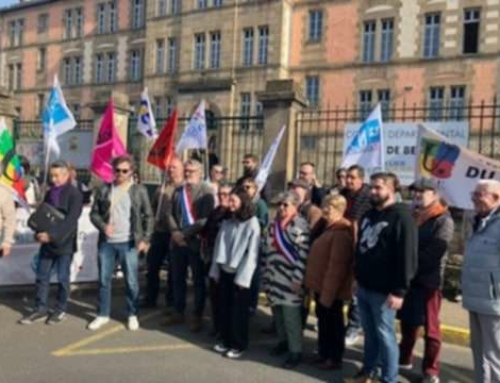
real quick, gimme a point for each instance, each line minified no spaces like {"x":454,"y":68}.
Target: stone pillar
{"x":8,"y":108}
{"x":281,"y":102}
{"x":121,"y":112}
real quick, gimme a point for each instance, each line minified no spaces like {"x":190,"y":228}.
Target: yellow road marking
{"x":96,"y":337}
{"x":129,"y":350}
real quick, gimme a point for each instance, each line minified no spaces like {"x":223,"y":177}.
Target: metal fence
{"x":229,"y":138}
{"x":320,"y":133}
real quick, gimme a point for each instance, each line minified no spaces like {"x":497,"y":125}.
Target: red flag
{"x":108,"y":145}
{"x":162,"y":151}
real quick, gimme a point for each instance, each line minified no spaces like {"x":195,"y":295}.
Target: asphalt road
{"x":69,"y":353}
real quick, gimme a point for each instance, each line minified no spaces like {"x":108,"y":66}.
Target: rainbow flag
{"x":10,"y":165}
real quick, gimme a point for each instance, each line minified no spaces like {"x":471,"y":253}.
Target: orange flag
{"x":162,"y":151}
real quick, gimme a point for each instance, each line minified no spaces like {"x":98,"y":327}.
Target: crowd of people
{"x":354,"y":245}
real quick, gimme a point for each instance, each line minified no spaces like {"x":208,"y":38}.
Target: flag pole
{"x":46,"y":167}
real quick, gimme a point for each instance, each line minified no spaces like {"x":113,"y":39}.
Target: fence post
{"x":120,"y":115}
{"x":8,"y":109}
{"x":281,"y":101}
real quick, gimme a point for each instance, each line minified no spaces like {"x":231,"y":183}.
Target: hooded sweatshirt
{"x":386,"y":255}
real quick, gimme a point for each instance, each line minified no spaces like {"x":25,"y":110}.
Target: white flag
{"x":57,"y":119}
{"x":195,"y":134}
{"x":267,"y":164}
{"x":146,"y":123}
{"x":366,"y":146}
{"x":455,"y":168}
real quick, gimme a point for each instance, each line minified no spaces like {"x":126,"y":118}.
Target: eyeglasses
{"x":223,"y":194}
{"x":121,"y":171}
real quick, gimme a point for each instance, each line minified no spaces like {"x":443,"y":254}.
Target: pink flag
{"x":108,"y":146}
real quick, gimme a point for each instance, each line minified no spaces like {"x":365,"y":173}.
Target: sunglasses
{"x":121,"y":171}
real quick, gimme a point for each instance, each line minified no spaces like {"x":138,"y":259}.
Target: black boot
{"x":279,"y":349}
{"x":293,"y":360}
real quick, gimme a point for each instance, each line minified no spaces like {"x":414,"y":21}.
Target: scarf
{"x":423,"y":215}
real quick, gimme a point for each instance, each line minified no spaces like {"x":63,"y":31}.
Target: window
{"x":365,"y":103}
{"x":157,"y":109}
{"x":77,"y":111}
{"x":263,"y":44}
{"x":99,"y":68}
{"x":68,"y":24}
{"x":387,"y":40}
{"x":111,"y":62}
{"x":41,"y":103}
{"x":79,"y":22}
{"x":42,"y":58}
{"x":112,"y":17}
{"x":457,"y":102}
{"x":12,"y":76}
{"x":172,"y":55}
{"x":245,"y":110}
{"x":215,"y":50}
{"x":309,"y":142}
{"x":43,"y":22}
{"x":202,"y":4}
{"x":137,"y":14}
{"x":217,"y":3}
{"x":16,"y":29}
{"x":135,"y":65}
{"x":169,"y":106}
{"x":199,"y":51}
{"x":436,"y":103}
{"x":162,"y":7}
{"x":471,"y":31}
{"x":101,"y":19}
{"x":369,"y":41}
{"x":19,"y":76}
{"x":77,"y":70}
{"x":259,"y":112}
{"x":175,"y":7}
{"x":312,"y":91}
{"x":315,"y":25}
{"x":160,"y":56}
{"x":67,"y":71}
{"x":384,"y":98}
{"x":432,"y":35}
{"x":248,"y":46}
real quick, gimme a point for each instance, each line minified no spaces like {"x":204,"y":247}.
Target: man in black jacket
{"x":357,"y":195}
{"x":250,"y":170}
{"x":58,"y":245}
{"x":307,"y":173}
{"x":122,"y":214}
{"x":385,"y":263}
{"x":423,"y":302}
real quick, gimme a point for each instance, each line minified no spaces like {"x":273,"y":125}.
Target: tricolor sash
{"x":188,"y":215}
{"x":283,"y":245}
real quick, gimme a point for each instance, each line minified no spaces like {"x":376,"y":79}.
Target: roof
{"x":25,"y":5}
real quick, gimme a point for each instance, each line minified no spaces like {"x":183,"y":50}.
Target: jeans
{"x":233,"y":303}
{"x":62,"y":264}
{"x":159,"y":250}
{"x":183,"y":257}
{"x":432,"y":337}
{"x":381,"y":345}
{"x":485,"y":346}
{"x":331,"y":330}
{"x":354,"y":316}
{"x":126,"y":255}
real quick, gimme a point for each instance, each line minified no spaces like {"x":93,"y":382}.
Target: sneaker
{"x":56,"y":318}
{"x":97,"y":323}
{"x":133,"y":323}
{"x":35,"y":316}
{"x":406,"y":366}
{"x":352,"y":337}
{"x":430,"y":379}
{"x":220,"y":348}
{"x":234,"y":354}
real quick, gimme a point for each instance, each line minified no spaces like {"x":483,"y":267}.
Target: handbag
{"x":45,"y":217}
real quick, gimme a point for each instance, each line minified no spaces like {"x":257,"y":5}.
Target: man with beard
{"x":250,"y":170}
{"x":385,"y":263}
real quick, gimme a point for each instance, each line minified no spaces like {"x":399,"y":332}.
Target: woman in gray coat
{"x":233,"y":265}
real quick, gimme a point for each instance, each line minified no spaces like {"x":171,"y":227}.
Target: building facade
{"x":356,"y":53}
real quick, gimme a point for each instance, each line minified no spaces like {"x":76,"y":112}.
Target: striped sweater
{"x":279,"y":274}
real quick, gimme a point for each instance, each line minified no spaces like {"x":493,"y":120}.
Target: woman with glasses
{"x":208,"y":235}
{"x":330,"y":275}
{"x":233,"y":265}
{"x":285,"y":262}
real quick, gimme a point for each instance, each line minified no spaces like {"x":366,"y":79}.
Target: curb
{"x":457,"y":336}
